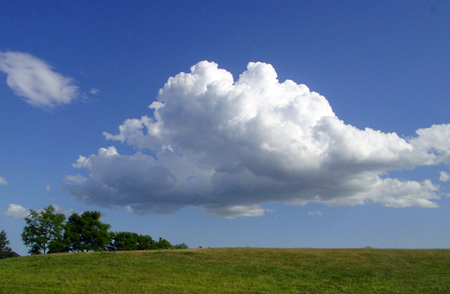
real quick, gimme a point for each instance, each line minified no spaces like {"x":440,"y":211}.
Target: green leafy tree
{"x":5,"y":250}
{"x":86,"y":232}
{"x":163,"y":244}
{"x":180,"y":246}
{"x":145,"y":242}
{"x":123,"y":241}
{"x":44,"y":230}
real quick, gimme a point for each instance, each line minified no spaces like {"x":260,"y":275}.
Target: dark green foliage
{"x":146,"y":242}
{"x":86,"y":232}
{"x":126,"y":241}
{"x":5,"y":250}
{"x":180,"y":246}
{"x":163,"y":244}
{"x":122,"y":241}
{"x":44,"y":231}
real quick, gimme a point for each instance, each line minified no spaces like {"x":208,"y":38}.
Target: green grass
{"x":231,"y":270}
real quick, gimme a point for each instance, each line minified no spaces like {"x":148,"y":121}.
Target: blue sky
{"x":234,"y":150}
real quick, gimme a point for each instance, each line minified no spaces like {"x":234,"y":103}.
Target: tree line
{"x":48,"y":231}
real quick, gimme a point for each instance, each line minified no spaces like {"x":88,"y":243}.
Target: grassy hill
{"x":231,"y":270}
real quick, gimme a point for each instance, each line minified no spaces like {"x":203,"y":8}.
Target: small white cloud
{"x":318,"y":213}
{"x":444,"y":177}
{"x":3,"y":181}
{"x":48,"y":188}
{"x":94,"y":91}
{"x":16,"y":211}
{"x":77,"y":179}
{"x":35,"y":81}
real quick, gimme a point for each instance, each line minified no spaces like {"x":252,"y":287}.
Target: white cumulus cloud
{"x":3,"y":181}
{"x":230,"y":146}
{"x":35,"y":81}
{"x":16,"y":211}
{"x":444,"y":177}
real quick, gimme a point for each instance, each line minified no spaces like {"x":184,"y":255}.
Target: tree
{"x":5,"y":250}
{"x":180,"y":246}
{"x":123,"y":241}
{"x":48,"y":232}
{"x":163,"y":244}
{"x":145,"y":242}
{"x":86,"y":232}
{"x":44,"y":231}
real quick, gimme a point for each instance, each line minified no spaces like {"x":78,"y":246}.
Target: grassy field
{"x":231,"y":270}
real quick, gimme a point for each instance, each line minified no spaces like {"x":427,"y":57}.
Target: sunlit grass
{"x":231,"y":270}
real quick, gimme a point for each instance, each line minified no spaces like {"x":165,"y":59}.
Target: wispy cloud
{"x":74,"y":179}
{"x":230,"y":146}
{"x":60,"y":209}
{"x":315,"y":213}
{"x":94,"y":91}
{"x":3,"y":181}
{"x":35,"y":81}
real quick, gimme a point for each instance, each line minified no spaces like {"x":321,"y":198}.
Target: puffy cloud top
{"x":35,"y":81}
{"x":229,"y":146}
{"x":16,"y":211}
